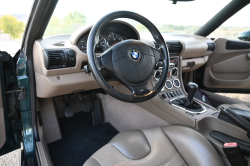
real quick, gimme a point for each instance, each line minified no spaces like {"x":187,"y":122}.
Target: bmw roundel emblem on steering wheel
{"x":134,"y":54}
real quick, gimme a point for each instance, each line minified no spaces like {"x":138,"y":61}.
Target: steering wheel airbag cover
{"x":128,"y":70}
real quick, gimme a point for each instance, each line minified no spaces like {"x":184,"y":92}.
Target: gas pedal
{"x":96,"y":114}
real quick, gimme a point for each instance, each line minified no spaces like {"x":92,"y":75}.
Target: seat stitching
{"x":130,"y":158}
{"x":96,"y":160}
{"x":170,"y":158}
{"x":151,"y":151}
{"x":184,"y":148}
{"x":119,"y":151}
{"x":173,"y":144}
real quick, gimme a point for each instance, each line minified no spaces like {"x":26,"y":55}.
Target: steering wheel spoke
{"x":140,"y":91}
{"x":105,"y":61}
{"x":157,"y":54}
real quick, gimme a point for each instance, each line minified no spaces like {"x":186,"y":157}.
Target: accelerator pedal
{"x":96,"y":114}
{"x":68,"y":110}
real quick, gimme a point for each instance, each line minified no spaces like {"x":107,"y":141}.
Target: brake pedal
{"x":68,"y":110}
{"x":86,"y":106}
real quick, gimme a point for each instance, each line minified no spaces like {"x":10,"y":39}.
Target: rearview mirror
{"x":245,"y":36}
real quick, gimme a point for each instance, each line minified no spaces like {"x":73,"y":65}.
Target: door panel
{"x":228,"y":68}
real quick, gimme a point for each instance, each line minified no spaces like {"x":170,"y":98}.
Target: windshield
{"x":14,"y":15}
{"x":183,"y":17}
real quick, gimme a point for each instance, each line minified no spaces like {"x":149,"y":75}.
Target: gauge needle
{"x":113,"y":43}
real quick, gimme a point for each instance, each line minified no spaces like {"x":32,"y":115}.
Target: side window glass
{"x":13,"y":19}
{"x":235,"y":28}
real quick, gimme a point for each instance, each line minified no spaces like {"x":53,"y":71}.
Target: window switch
{"x":177,"y":92}
{"x":172,"y":94}
{"x":168,"y":94}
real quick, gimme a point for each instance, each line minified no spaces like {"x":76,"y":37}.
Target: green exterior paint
{"x":23,"y":80}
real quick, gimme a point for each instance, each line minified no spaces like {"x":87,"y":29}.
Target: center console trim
{"x":172,"y":71}
{"x":171,"y":84}
{"x":174,"y":84}
{"x":184,"y":109}
{"x":159,"y":70}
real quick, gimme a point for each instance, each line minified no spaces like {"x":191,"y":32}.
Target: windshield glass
{"x":183,"y":17}
{"x":14,"y":15}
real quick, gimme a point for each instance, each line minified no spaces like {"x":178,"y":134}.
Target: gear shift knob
{"x":191,"y":87}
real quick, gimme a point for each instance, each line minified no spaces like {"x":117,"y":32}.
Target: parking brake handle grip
{"x":237,"y":119}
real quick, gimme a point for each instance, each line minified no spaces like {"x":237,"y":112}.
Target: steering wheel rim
{"x":95,"y":62}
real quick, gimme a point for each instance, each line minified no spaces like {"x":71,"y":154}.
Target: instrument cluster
{"x":111,"y":34}
{"x":105,"y":41}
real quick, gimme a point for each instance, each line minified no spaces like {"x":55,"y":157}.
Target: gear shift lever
{"x":192,"y":88}
{"x":187,"y":103}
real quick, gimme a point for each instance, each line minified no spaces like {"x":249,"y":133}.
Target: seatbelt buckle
{"x":233,"y":154}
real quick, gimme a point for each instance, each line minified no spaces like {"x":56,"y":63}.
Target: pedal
{"x":68,"y":110}
{"x":96,"y":113}
{"x":86,"y":105}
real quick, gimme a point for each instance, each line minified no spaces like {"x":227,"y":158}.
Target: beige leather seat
{"x":167,"y":146}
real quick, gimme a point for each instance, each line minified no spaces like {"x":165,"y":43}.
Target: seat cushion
{"x":167,"y":146}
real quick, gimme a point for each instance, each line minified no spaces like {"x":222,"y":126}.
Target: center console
{"x":174,"y":105}
{"x":173,"y":93}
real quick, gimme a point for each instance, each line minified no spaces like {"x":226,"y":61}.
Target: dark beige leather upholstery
{"x":167,"y":146}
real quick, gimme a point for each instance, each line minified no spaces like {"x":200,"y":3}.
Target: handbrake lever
{"x":237,"y":119}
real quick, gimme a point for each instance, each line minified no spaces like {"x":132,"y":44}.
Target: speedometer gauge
{"x":114,"y":38}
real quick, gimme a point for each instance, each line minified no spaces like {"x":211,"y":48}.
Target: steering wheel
{"x":130,"y":62}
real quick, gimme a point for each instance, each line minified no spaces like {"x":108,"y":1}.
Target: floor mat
{"x":79,"y":140}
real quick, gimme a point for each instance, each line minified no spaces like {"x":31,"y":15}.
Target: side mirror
{"x":245,"y":36}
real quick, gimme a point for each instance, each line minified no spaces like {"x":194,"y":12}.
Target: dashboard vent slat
{"x":56,"y":59}
{"x":174,"y":47}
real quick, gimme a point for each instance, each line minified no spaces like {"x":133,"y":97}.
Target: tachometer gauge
{"x":82,"y":45}
{"x":114,"y":38}
{"x":103,"y":44}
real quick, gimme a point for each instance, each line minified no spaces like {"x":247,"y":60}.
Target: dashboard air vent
{"x":56,"y":59}
{"x":174,"y":47}
{"x":211,"y":47}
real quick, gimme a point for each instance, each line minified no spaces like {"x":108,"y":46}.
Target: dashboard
{"x":111,"y":34}
{"x":59,"y":60}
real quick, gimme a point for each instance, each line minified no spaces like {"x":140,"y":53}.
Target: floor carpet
{"x":79,"y":140}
